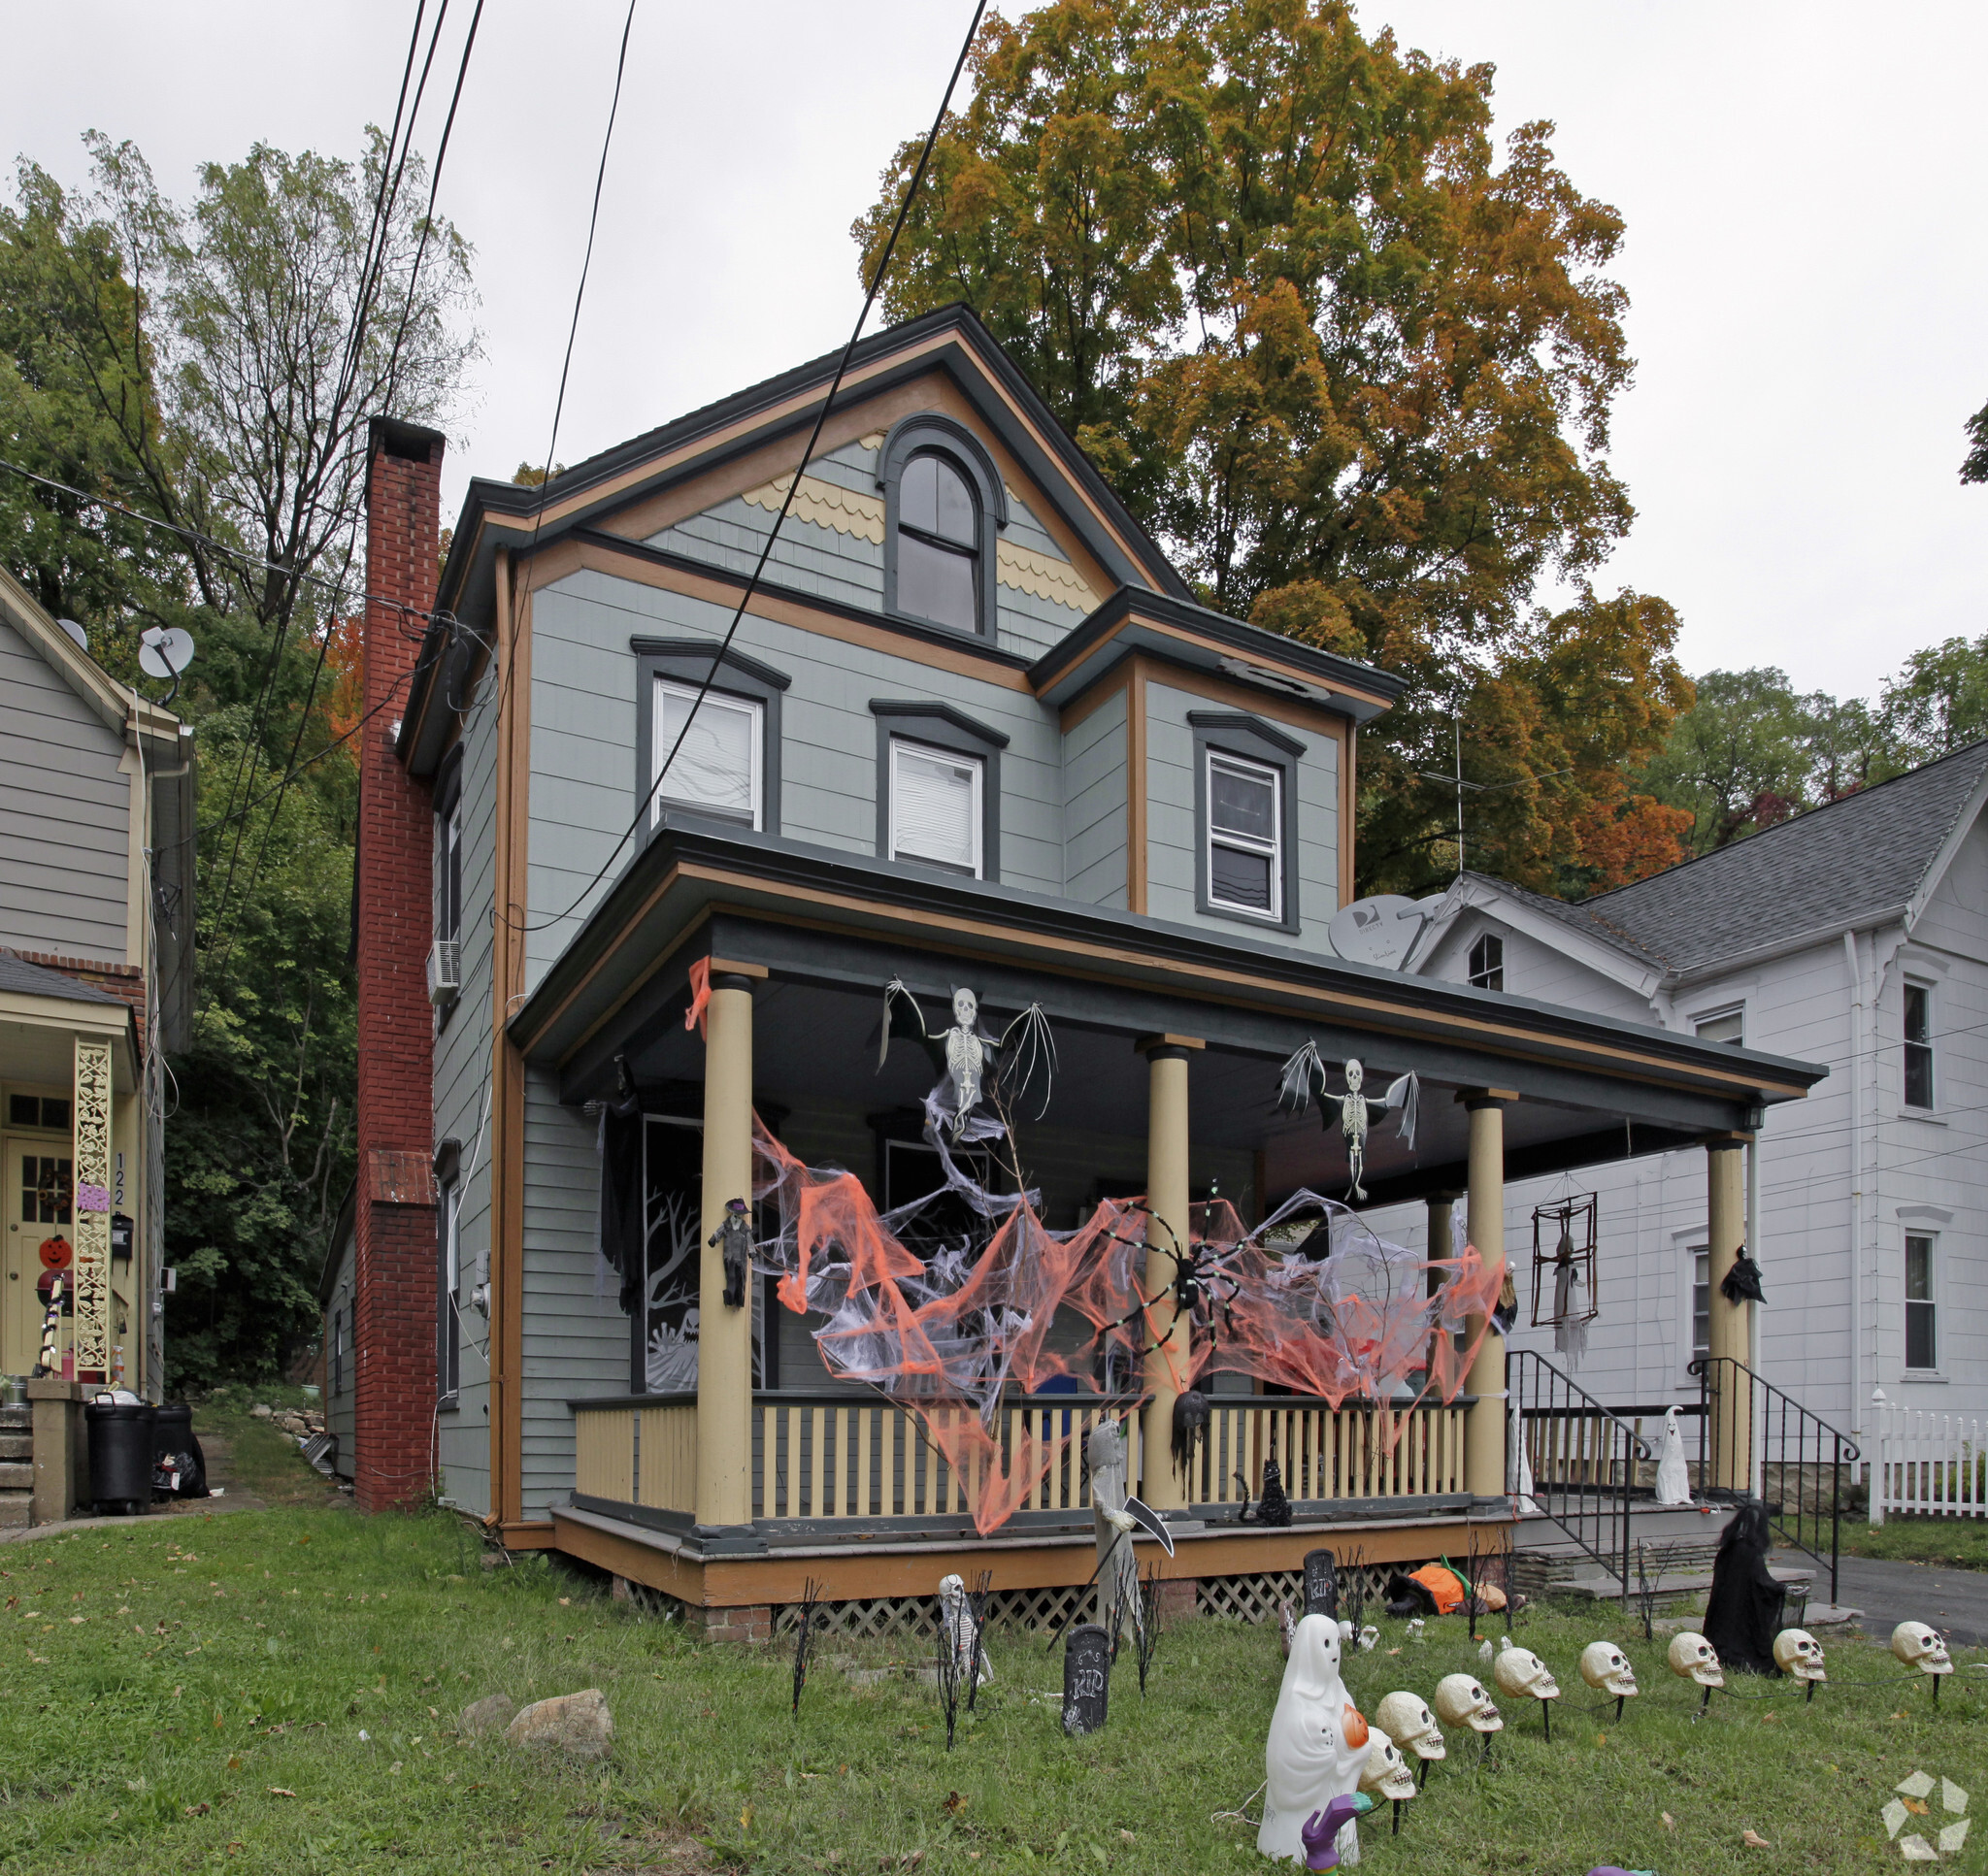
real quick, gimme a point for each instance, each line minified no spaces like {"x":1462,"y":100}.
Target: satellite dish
{"x":1380,"y":930}
{"x":164,"y":651}
{"x":76,"y":633}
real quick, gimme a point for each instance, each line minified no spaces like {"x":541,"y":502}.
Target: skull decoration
{"x":1461,"y":1701}
{"x":1693,"y":1658}
{"x":1521,"y":1673}
{"x":1606,"y":1667}
{"x":1386,"y":1773}
{"x":1798,"y":1652}
{"x":1406,"y":1720}
{"x":1921,"y":1647}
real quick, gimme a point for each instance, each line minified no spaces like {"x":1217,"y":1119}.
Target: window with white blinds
{"x":720,"y":766}
{"x":1245,"y":861}
{"x":935,"y":807}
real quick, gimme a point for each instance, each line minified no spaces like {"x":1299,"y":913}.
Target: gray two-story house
{"x":633,"y":854}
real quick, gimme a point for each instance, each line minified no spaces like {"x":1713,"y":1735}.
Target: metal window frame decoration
{"x":1577,"y":1217}
{"x":91,"y":1150}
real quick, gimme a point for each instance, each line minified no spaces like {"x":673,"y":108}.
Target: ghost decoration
{"x":1692,"y":1657}
{"x":1406,"y":1719}
{"x":1386,"y":1773}
{"x":1117,"y":1571}
{"x":1921,"y":1647}
{"x":962,"y":1632}
{"x":1607,"y":1669}
{"x":1798,"y":1655}
{"x":1520,"y":1468}
{"x":1674,"y":1474}
{"x":1317,"y":1746}
{"x":1461,"y":1701}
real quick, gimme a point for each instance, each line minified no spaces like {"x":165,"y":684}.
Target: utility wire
{"x":793,"y":482}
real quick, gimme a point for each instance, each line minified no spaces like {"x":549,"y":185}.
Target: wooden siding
{"x":339,"y":1399}
{"x":1094,"y":810}
{"x":65,"y":814}
{"x":1534,"y":969}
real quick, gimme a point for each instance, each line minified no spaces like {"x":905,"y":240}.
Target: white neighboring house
{"x":1855,"y":935}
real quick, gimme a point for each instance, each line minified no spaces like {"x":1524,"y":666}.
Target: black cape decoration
{"x":1742,"y":1283}
{"x":1742,"y":1615}
{"x":1190,"y":1427}
{"x":621,"y":1214}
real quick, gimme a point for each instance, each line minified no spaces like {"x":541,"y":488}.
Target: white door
{"x":40,"y":1183}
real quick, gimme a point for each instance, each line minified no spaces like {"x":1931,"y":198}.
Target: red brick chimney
{"x":394,"y":1276}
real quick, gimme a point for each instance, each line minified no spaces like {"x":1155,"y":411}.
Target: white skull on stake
{"x":1386,"y":1773}
{"x":1606,"y":1668}
{"x":1521,"y":1673}
{"x":1461,"y":1701}
{"x":1921,"y":1647}
{"x":1406,"y":1719}
{"x":1692,"y":1657}
{"x":1798,"y":1652}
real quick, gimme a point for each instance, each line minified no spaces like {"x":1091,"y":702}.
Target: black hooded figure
{"x":1743,"y":1613}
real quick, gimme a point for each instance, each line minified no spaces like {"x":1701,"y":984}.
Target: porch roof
{"x":831,"y":928}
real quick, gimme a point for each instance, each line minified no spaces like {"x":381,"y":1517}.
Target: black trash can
{"x":178,"y":1465}
{"x":120,"y":1455}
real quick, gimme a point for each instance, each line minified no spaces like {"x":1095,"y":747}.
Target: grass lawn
{"x":275,"y":1691}
{"x":1957,"y":1543}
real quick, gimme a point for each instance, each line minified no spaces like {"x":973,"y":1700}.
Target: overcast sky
{"x":1802,"y":183}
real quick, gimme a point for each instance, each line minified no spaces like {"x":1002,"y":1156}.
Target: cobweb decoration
{"x":1332,"y":1312}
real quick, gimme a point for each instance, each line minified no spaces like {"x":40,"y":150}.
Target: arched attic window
{"x":944,"y":505}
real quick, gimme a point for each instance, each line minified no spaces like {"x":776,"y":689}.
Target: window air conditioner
{"x":444,"y":971}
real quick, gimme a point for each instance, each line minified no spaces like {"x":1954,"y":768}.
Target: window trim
{"x":927,"y":433}
{"x":1247,"y":739}
{"x":1931,"y":1104}
{"x":741,"y":679}
{"x":1909,"y":1302}
{"x":949,"y":731}
{"x":1697,"y":1243}
{"x":1477,"y":975}
{"x":1700,"y":1018}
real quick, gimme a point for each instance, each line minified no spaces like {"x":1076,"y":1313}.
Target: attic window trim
{"x":929,"y":433}
{"x":1484,"y":963}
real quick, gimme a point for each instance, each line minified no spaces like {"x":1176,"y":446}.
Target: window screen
{"x":1727,"y":1026}
{"x":718,"y":768}
{"x":935,"y":807}
{"x":1487,"y":962}
{"x":1921,"y":1347}
{"x":1244,"y":835}
{"x":1919,"y":1045}
{"x":937,"y":544}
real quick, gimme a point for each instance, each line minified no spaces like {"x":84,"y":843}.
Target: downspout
{"x":1856,"y":1184}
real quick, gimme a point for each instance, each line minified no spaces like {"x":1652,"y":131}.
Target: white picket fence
{"x":1928,"y":1464}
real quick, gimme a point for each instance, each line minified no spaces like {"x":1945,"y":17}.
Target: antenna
{"x":76,"y":633}
{"x":165,"y":651}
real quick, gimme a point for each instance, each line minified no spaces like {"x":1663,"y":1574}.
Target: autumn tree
{"x":1352,"y":364}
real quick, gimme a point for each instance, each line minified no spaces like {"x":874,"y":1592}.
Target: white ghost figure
{"x":1406,"y":1719}
{"x":962,"y":1631}
{"x":1519,"y":1482}
{"x":1921,"y":1647}
{"x":1522,"y":1674}
{"x":1318,"y":1745}
{"x":1461,"y":1701}
{"x":1674,"y":1474}
{"x":1692,"y":1657}
{"x":1606,"y":1669}
{"x":1386,"y":1773}
{"x":1798,"y":1652}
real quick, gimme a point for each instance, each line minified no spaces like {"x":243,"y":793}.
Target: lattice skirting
{"x":1258,"y":1598}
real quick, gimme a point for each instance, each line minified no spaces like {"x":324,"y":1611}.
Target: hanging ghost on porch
{"x":972,"y":1061}
{"x":1304,"y":1076}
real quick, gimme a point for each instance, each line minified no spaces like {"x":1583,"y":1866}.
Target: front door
{"x":39,"y":1187}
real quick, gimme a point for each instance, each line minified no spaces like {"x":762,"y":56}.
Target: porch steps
{"x":1681,"y":1541}
{"x":17,"y":1467}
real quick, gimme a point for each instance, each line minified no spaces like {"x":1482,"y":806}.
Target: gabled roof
{"x":1857,"y":862}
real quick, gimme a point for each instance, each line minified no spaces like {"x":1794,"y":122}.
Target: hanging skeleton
{"x":733,"y":1241}
{"x":1303,"y":1078}
{"x":970,"y":1061}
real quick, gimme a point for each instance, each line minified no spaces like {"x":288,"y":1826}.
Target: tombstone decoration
{"x":1321,"y":1584}
{"x":1303,"y":1078}
{"x":1742,"y":1614}
{"x":1087,"y":1678}
{"x":733,"y":1241}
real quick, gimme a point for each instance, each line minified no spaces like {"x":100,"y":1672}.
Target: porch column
{"x":724,"y":1335}
{"x":1168,"y":1229}
{"x":1484,"y":1437}
{"x":1730,"y":1331}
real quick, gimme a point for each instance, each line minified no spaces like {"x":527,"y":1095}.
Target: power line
{"x":793,"y":482}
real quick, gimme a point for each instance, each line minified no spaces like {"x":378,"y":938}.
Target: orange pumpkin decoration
{"x":1354,"y":1728}
{"x":56,"y":1253}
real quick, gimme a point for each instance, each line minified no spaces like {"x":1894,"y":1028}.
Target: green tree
{"x":1939,"y":701}
{"x":1354,"y":369}
{"x":1738,"y":760}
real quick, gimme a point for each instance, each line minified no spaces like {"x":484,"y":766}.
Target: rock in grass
{"x":491,"y":1714}
{"x":579,"y":1724}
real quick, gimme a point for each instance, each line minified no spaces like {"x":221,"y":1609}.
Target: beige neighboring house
{"x":96,"y":979}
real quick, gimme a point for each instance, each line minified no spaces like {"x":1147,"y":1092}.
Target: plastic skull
{"x":1606,"y":1666}
{"x":1461,"y":1701}
{"x":1521,"y":1673}
{"x":1406,"y":1719}
{"x":1386,"y":1773}
{"x":1921,"y":1647}
{"x":1693,"y":1658}
{"x":1798,"y":1652}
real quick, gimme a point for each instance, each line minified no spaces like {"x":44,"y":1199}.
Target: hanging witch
{"x":1303,"y":1076}
{"x":970,"y":1059}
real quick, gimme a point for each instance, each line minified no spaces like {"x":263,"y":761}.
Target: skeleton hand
{"x":1121,"y":1521}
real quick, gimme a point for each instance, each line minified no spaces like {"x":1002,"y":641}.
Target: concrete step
{"x":1605,"y":1589}
{"x":17,"y":1446}
{"x":14,"y":1510}
{"x":16,"y":1477}
{"x":16,"y":1419}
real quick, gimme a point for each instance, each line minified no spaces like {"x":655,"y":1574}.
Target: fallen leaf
{"x":954,"y":1802}
{"x":1753,"y":1840}
{"x":1917,"y":1806}
{"x":199,"y":1810}
{"x":281,"y":1791}
{"x":235,"y":1763}
{"x":1669,"y":1823}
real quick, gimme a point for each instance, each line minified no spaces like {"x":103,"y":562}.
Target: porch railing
{"x":1361,"y":1450}
{"x":1928,"y":1464}
{"x":1583,"y":1459}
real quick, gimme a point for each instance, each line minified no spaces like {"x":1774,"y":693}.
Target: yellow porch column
{"x":1484,"y":1437}
{"x":1166,"y":1192}
{"x":724,"y":1335}
{"x":1731,"y":1331}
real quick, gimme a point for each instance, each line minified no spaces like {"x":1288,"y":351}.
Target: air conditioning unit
{"x":444,"y":971}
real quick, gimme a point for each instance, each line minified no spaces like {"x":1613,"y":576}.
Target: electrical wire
{"x":793,"y":480}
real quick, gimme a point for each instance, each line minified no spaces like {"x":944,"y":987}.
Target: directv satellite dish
{"x":164,"y":652}
{"x":1380,"y":930}
{"x":76,"y":632}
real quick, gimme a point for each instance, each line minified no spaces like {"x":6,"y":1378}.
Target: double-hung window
{"x":448,"y":860}
{"x":937,"y":544}
{"x":449,"y":1277}
{"x":1245,"y":821}
{"x":1701,"y":1300}
{"x":1727,"y":1026}
{"x":1487,"y":962}
{"x":1922,"y":1348}
{"x":710,"y":753}
{"x":1919,"y":1045}
{"x":936,"y":806}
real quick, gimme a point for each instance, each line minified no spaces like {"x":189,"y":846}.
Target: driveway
{"x":1889,"y":1593}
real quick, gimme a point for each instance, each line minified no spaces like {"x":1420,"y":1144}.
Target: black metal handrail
{"x":1792,"y":1442}
{"x":1583,"y":1487}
